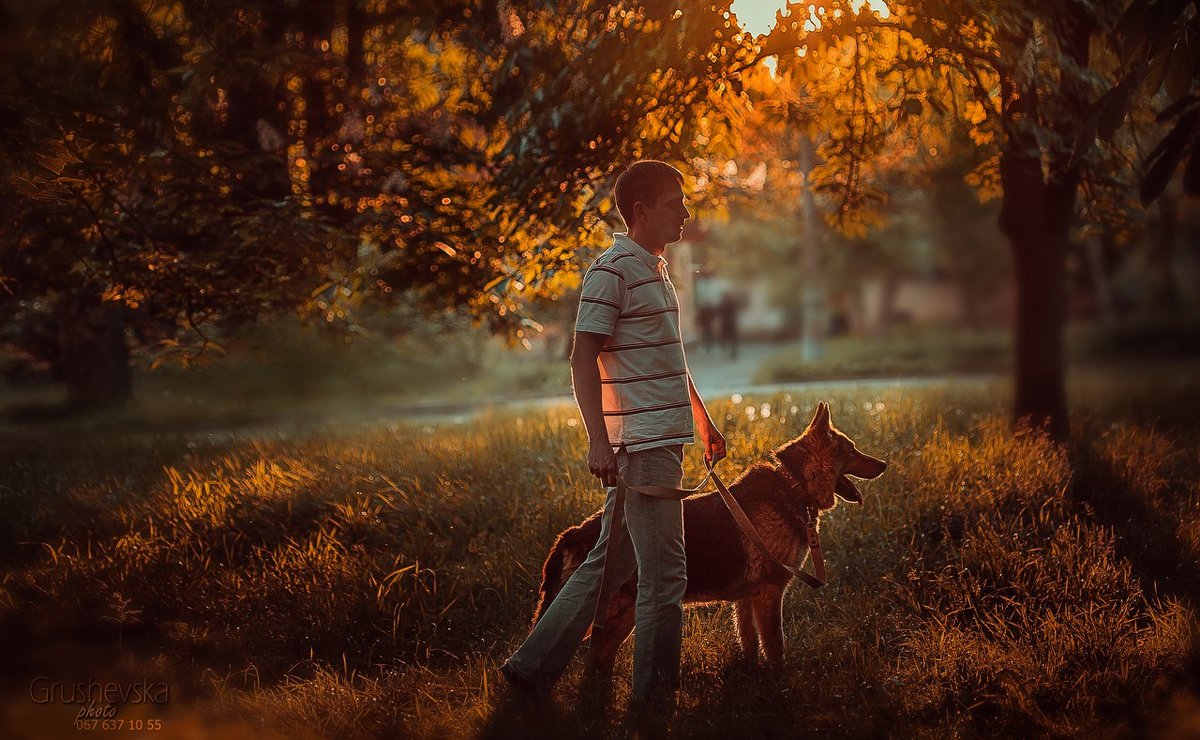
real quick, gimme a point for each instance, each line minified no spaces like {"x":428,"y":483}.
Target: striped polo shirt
{"x":627,"y":296}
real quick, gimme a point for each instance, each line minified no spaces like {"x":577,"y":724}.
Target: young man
{"x":639,"y":407}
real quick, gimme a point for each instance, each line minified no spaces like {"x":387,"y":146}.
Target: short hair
{"x":644,"y":180}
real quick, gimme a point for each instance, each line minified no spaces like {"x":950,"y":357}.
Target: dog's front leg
{"x":743,"y":619}
{"x":768,"y":617}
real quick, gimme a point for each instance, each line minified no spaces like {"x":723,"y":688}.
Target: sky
{"x":758,"y":16}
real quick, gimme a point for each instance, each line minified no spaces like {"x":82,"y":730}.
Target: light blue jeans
{"x":652,"y":542}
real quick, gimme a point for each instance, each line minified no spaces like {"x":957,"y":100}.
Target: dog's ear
{"x":820,"y":420}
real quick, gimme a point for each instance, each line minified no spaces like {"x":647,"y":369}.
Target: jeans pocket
{"x":623,"y":464}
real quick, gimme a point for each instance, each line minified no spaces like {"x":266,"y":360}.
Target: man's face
{"x":664,"y":216}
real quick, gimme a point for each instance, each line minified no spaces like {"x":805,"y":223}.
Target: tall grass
{"x":371,"y":580}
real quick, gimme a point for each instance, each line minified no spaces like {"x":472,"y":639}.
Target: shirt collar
{"x":637,"y":250}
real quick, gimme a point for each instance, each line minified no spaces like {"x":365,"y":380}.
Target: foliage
{"x":1021,"y":76}
{"x":205,"y":162}
{"x":1155,"y":41}
{"x":904,"y":77}
{"x":137,"y":187}
{"x":200,"y":163}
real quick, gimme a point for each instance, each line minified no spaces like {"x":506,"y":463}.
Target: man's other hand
{"x":713,"y":441}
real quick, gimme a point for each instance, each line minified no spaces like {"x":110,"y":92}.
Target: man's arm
{"x":585,"y":377}
{"x":710,"y":437}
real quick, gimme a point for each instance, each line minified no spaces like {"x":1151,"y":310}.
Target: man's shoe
{"x":520,"y":684}
{"x":648,"y":721}
{"x":650,"y":717}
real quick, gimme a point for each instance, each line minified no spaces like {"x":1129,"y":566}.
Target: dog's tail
{"x":568,"y":553}
{"x":552,"y":580}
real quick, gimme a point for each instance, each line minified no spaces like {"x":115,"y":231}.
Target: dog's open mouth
{"x":865,"y":467}
{"x":847,"y":491}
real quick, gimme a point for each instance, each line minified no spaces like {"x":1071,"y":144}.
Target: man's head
{"x":649,"y":197}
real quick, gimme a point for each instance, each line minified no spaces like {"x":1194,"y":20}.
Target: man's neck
{"x":646,"y":243}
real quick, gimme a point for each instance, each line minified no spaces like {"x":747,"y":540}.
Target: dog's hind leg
{"x":747,"y":632}
{"x":621,"y":617}
{"x":768,"y":617}
{"x":569,"y":551}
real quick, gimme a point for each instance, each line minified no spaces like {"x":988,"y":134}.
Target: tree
{"x":780,"y":220}
{"x":189,"y":166}
{"x":1021,"y":76}
{"x":315,"y":155}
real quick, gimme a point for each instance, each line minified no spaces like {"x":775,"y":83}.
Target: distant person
{"x":839,"y":324}
{"x":706,"y":319}
{"x":727,"y":314}
{"x":628,"y":343}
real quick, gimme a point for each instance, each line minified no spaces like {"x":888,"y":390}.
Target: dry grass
{"x":368,"y":582}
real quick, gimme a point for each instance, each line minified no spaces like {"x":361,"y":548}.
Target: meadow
{"x":368,"y":580}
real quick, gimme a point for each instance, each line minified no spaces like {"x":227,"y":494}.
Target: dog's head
{"x":822,"y":458}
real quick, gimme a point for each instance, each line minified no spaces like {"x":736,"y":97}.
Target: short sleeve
{"x":600,"y":300}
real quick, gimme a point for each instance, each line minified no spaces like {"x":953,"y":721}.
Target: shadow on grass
{"x":1137,"y":483}
{"x":747,"y":700}
{"x":590,"y":714}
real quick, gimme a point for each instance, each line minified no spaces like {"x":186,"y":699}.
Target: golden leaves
{"x":974,"y":112}
{"x":985,"y":178}
{"x":130,"y":296}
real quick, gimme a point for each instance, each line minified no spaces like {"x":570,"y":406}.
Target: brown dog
{"x":722,"y":563}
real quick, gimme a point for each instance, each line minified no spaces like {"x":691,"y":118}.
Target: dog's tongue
{"x":847,"y":491}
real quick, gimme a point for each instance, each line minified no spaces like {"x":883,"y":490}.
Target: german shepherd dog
{"x":722,"y":563}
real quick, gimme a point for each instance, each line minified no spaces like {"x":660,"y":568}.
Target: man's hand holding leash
{"x":713,"y":441}
{"x":710,"y":437}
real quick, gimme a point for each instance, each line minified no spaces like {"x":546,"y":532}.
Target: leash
{"x":810,"y":526}
{"x":739,"y":515}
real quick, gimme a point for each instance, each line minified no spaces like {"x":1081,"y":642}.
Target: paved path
{"x":715,"y":373}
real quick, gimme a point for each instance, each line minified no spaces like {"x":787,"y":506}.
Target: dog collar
{"x":792,"y":481}
{"x":794,"y":484}
{"x":783,"y":471}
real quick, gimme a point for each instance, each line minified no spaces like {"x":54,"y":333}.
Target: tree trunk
{"x":93,"y":353}
{"x":1038,"y":208}
{"x":812,"y":341}
{"x":1036,"y":217}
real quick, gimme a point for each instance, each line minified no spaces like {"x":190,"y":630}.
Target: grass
{"x":368,"y":581}
{"x":907,"y":351}
{"x":931,"y":350}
